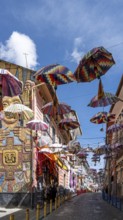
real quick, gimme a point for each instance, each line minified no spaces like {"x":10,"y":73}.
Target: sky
{"x":42,"y":32}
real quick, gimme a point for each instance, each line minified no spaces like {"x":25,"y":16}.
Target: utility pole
{"x":26,"y":54}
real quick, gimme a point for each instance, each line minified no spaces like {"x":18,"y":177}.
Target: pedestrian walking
{"x":53,"y":192}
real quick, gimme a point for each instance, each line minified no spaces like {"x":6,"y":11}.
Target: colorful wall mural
{"x":15,"y":161}
{"x":15,"y":141}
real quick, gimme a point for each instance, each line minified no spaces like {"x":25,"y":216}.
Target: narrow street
{"x":89,"y":206}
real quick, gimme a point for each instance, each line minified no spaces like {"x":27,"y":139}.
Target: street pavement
{"x":19,"y":214}
{"x":87,"y":206}
{"x":4,"y":211}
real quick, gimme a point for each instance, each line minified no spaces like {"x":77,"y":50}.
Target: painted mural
{"x":15,"y":152}
{"x":15,"y":141}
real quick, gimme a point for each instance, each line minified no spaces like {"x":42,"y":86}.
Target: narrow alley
{"x":89,"y":206}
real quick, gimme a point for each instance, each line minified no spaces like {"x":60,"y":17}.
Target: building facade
{"x":21,"y":170}
{"x":114,"y":161}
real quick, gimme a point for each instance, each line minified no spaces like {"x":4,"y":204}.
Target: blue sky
{"x":57,"y":31}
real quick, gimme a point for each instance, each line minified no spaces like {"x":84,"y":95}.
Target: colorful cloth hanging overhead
{"x":55,"y":74}
{"x":94,"y":65}
{"x":10,"y":85}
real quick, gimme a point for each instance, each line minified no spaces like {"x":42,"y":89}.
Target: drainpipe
{"x":115,"y":179}
{"x":109,"y":178}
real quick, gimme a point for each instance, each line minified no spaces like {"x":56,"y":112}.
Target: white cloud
{"x":94,"y":22}
{"x":76,"y":54}
{"x":16,"y":47}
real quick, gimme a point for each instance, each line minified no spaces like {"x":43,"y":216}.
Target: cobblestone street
{"x":89,"y":206}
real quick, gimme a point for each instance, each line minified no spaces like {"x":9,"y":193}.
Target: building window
{"x":59,"y":140}
{"x":53,"y":135}
{"x":47,"y":120}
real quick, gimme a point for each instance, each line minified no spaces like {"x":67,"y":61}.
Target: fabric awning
{"x":53,"y":157}
{"x":57,"y":159}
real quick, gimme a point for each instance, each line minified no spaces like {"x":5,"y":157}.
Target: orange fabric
{"x":44,"y":161}
{"x":50,"y":156}
{"x":56,"y":159}
{"x":53,"y":157}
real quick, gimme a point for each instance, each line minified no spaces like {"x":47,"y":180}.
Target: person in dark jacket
{"x":53,"y":192}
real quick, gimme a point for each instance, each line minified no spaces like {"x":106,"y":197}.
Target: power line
{"x":93,"y":138}
{"x":115,"y":45}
